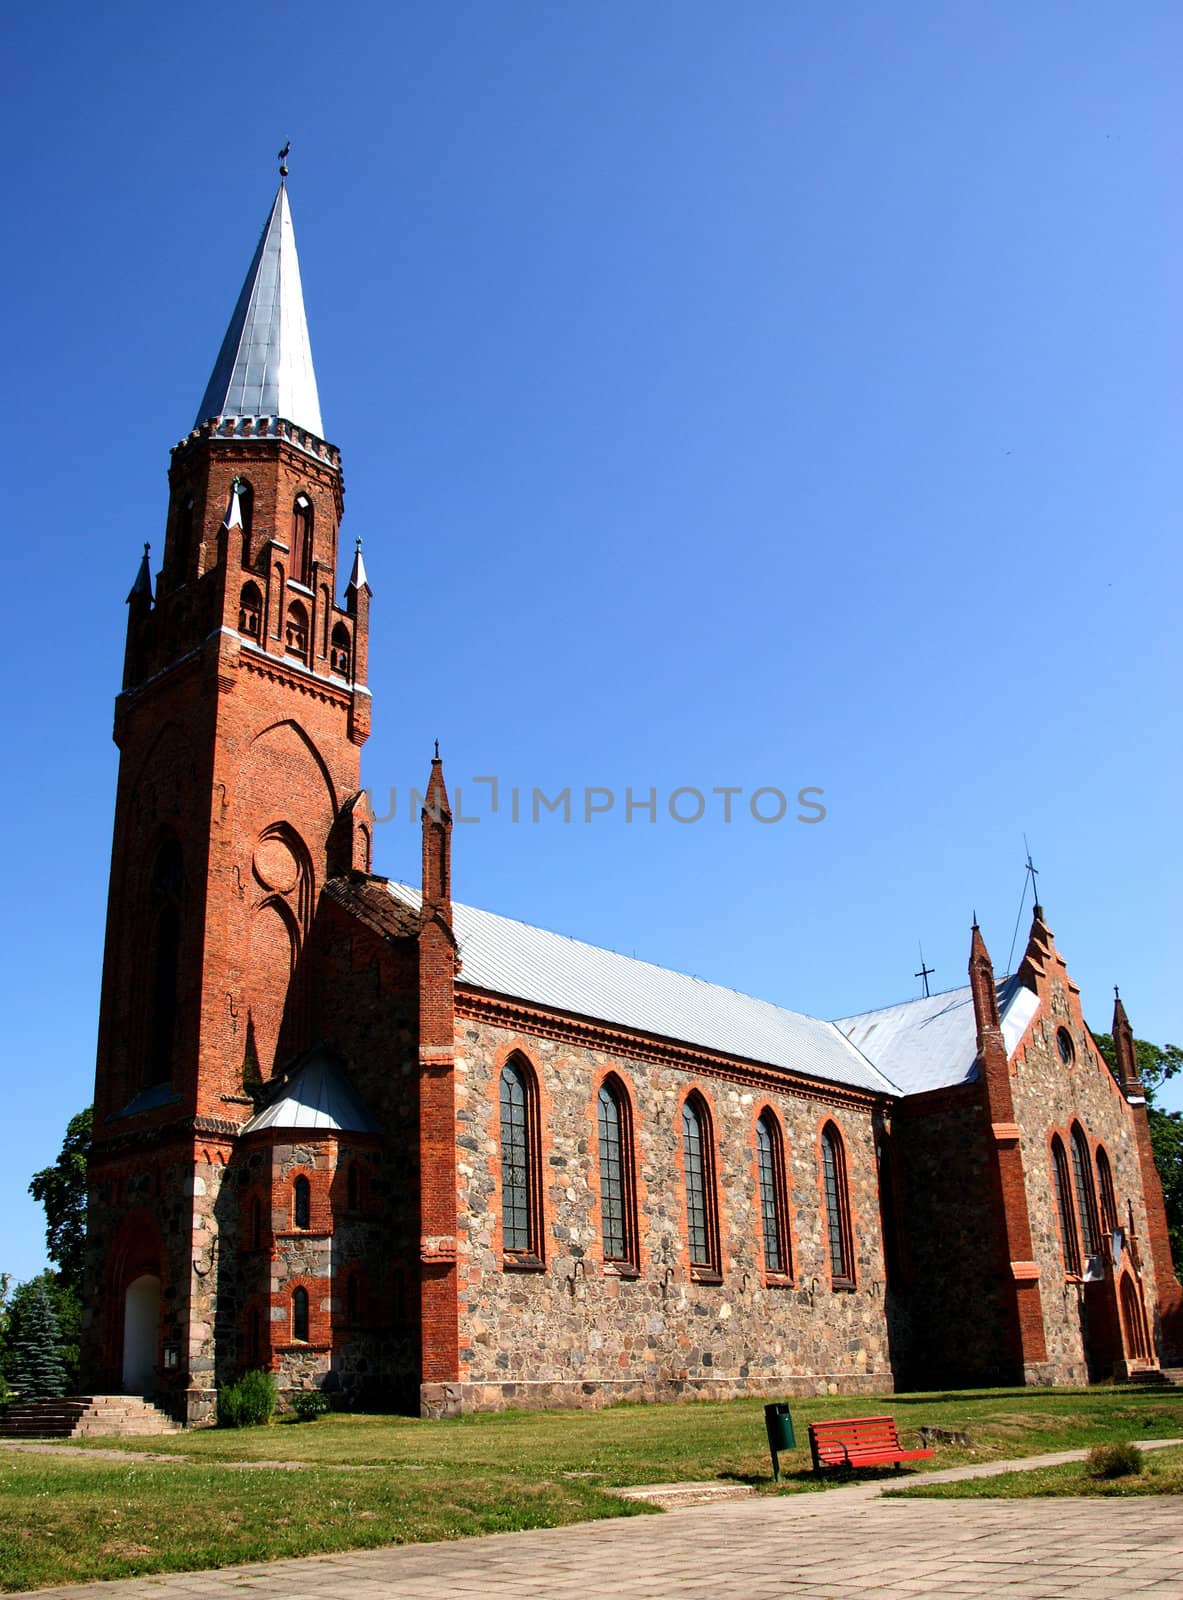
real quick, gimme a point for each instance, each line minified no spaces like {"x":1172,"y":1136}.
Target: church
{"x":425,"y":1157}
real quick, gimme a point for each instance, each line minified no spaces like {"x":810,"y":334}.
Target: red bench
{"x":858,"y":1442}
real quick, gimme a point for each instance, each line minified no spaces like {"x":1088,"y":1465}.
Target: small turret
{"x":139,"y":609}
{"x":437,"y":847}
{"x":1125,"y":1049}
{"x":982,"y":985}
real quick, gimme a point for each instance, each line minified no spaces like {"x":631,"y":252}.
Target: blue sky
{"x":758,"y":396}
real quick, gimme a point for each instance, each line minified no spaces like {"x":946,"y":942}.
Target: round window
{"x":1065,"y":1046}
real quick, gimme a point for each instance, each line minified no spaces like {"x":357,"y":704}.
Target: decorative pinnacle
{"x":437,"y":751}
{"x":283,"y":159}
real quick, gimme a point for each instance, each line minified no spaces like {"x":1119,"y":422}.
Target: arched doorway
{"x":141,"y":1323}
{"x":1133,"y":1322}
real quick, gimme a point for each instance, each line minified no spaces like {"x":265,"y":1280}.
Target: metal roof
{"x":319,"y":1097}
{"x":264,"y":368}
{"x":932,"y":1043}
{"x":514,"y":959}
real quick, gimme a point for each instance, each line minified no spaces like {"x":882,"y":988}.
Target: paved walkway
{"x":842,"y":1544}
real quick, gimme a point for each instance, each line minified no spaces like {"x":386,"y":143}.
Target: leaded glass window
{"x":837,"y":1206}
{"x":1108,"y":1198}
{"x":1086,"y":1205}
{"x":517,"y":1199}
{"x":702,"y":1226}
{"x":615,"y":1176}
{"x":1064,"y":1207}
{"x":770,"y":1163}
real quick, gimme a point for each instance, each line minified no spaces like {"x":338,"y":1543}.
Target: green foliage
{"x":1122,"y":1460}
{"x":61,"y":1189}
{"x":309,"y":1404}
{"x":38,"y":1370}
{"x":249,"y":1402}
{"x":1156,"y":1065}
{"x":14,"y":1311}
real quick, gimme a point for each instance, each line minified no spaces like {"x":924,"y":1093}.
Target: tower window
{"x":521,"y":1236}
{"x":702,"y":1216}
{"x":296,"y":632}
{"x":339,"y":651}
{"x":1065,"y":1046}
{"x":617,"y":1206}
{"x":301,"y":553}
{"x":246,"y":507}
{"x":837,"y":1208}
{"x":770,"y":1164}
{"x":302,"y":1203}
{"x":300,"y":1315}
{"x":250,"y":611}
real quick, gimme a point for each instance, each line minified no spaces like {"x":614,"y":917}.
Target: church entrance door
{"x":141,"y":1322}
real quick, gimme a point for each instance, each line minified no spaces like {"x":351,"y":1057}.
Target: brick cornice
{"x":276,"y":670}
{"x":523,"y":1017}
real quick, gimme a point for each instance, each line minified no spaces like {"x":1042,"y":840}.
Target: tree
{"x":14,"y":1318}
{"x":39,"y":1372}
{"x":61,"y":1189}
{"x":1157,"y":1063}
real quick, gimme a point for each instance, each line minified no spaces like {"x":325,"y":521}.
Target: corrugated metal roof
{"x":514,"y":959}
{"x":319,"y":1097}
{"x":932,"y":1043}
{"x":264,"y":368}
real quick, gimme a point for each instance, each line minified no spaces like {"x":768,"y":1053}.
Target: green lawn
{"x":1162,"y":1473}
{"x":386,"y":1480}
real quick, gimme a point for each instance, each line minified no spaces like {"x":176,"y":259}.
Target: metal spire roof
{"x":357,"y":578}
{"x":264,"y":368}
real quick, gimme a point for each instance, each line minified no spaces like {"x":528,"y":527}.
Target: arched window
{"x":300,"y":1314}
{"x":702,"y":1215}
{"x":617,"y":1205}
{"x":295,"y":636}
{"x":1086,"y":1200}
{"x":770,"y":1162}
{"x":1108,"y":1195}
{"x":837,"y":1208}
{"x":520,"y":1198}
{"x":246,"y":507}
{"x":250,"y":610}
{"x":339,"y":651}
{"x":1064,"y":1207}
{"x":301,"y":553}
{"x":302,"y":1203}
{"x":165,"y":946}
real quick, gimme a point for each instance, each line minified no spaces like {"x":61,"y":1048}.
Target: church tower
{"x":239,"y":727}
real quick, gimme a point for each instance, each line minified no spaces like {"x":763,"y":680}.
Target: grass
{"x":1162,"y":1473}
{"x":390,"y":1480}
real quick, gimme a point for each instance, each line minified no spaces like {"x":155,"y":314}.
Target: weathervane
{"x":283,"y":159}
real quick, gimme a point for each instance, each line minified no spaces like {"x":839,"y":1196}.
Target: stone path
{"x":842,"y":1544}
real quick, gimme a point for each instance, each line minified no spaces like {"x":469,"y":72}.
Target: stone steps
{"x":672,"y":1495}
{"x":98,"y":1416}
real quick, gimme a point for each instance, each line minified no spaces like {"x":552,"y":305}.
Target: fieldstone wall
{"x":578,"y":1331}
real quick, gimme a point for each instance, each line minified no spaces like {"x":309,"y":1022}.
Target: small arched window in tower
{"x":1086,"y":1200}
{"x":246,"y":508}
{"x":302,"y":1202}
{"x":520,"y":1232}
{"x":295,"y":636}
{"x":770,"y":1166}
{"x":1108,"y":1195}
{"x":1064,"y":1208}
{"x":702,"y":1212}
{"x":301,"y":553}
{"x":339,"y":651}
{"x":300,"y":1315}
{"x":165,"y":947}
{"x":837,"y":1208}
{"x":250,"y":611}
{"x":617,"y":1189}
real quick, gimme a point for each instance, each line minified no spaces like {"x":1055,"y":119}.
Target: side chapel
{"x":423,"y":1156}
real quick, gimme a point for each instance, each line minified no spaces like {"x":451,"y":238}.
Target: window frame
{"x":1087,"y":1215}
{"x":700,"y":1192}
{"x":301,"y":1203}
{"x":528,"y":1255}
{"x":1065,"y":1207}
{"x":835,"y":1187}
{"x":626,"y":1261}
{"x":301,"y":1313}
{"x":1107,"y":1194}
{"x":773,"y":1197}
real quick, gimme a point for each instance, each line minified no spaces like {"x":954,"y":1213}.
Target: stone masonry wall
{"x":578,"y":1331}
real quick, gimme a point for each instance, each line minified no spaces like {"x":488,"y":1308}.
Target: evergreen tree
{"x":39,"y":1373}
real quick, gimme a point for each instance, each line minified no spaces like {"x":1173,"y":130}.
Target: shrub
{"x":249,"y":1402}
{"x":1114,"y":1461}
{"x":309,"y":1404}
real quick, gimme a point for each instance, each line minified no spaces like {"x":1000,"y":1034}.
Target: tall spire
{"x":264,"y":368}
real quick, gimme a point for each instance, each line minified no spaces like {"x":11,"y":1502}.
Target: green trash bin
{"x":779,"y":1425}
